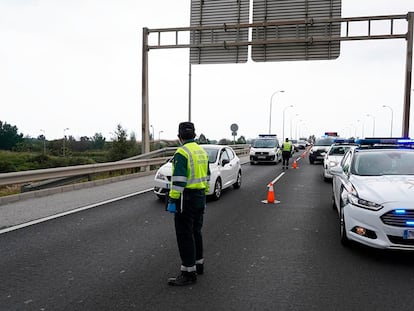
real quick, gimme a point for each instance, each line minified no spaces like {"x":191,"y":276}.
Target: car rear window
{"x":324,"y":141}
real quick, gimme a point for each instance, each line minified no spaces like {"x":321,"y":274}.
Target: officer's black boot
{"x":200,"y":268}
{"x":185,"y":278}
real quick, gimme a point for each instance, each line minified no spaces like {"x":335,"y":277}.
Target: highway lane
{"x":285,"y":256}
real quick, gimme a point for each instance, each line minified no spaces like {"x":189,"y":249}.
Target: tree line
{"x":19,"y":152}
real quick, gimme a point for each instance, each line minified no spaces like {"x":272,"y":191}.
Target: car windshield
{"x":384,"y":162}
{"x":264,"y":143}
{"x":338,"y":150}
{"x":212,"y":154}
{"x":324,"y":142}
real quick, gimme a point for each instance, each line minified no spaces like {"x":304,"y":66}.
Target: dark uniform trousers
{"x":285,"y":156}
{"x":188,"y":224}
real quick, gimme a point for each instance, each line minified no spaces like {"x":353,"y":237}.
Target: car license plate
{"x":408,"y":234}
{"x":261,"y":157}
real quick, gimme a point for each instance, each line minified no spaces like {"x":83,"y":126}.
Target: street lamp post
{"x":159,"y":137}
{"x":44,"y":141}
{"x":64,"y":138}
{"x":373,"y":124}
{"x":270,"y":113}
{"x":153,"y":138}
{"x":283,"y":125}
{"x":296,"y":130}
{"x":392,"y":117}
{"x":291,"y":126}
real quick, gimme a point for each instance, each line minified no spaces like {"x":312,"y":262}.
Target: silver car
{"x":333,"y":157}
{"x":373,"y":192}
{"x":225,"y":170}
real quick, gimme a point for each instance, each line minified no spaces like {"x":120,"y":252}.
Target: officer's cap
{"x":186,"y":130}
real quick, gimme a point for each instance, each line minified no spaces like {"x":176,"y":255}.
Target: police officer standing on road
{"x":187,"y":200}
{"x":287,"y":148}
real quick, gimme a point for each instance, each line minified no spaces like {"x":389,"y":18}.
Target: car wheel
{"x":237,"y":184}
{"x":217,"y":189}
{"x":342,"y":227}
{"x":333,"y":202}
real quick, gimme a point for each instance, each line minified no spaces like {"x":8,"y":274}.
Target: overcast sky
{"x":77,"y":64}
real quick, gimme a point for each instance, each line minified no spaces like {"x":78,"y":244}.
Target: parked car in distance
{"x":225,"y":170}
{"x":334,"y":156}
{"x":295,"y":144}
{"x":373,"y":194}
{"x":265,"y":149}
{"x":302,"y":144}
{"x":320,"y":147}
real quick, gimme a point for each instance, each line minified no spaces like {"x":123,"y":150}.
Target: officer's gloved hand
{"x":171,"y":207}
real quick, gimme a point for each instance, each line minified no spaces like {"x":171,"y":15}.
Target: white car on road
{"x":225,"y":170}
{"x":334,"y":156}
{"x":373,"y":192}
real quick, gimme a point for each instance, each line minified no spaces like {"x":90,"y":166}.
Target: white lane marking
{"x":277,"y":178}
{"x":40,"y":220}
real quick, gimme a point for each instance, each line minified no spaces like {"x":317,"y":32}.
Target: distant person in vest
{"x":187,"y":200}
{"x":287,"y":148}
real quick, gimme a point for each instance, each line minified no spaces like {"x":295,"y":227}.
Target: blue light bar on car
{"x":406,"y":141}
{"x":343,"y":141}
{"x":268,"y":135}
{"x":399,"y":211}
{"x":387,"y":141}
{"x":409,"y":222}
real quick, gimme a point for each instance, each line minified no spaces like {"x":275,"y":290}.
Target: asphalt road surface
{"x":284,"y":256}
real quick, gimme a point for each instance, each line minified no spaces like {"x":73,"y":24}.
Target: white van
{"x":265,"y":148}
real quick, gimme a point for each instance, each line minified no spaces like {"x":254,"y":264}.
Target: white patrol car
{"x":373,"y":192}
{"x":265,"y":148}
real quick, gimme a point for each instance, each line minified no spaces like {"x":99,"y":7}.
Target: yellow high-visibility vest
{"x":287,"y":146}
{"x":197,"y":170}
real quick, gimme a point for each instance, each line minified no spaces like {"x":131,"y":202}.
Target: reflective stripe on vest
{"x":191,"y":181}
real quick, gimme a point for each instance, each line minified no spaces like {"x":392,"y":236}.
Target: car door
{"x":339,"y":181}
{"x":226,"y":167}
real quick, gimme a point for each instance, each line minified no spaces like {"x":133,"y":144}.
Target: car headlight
{"x":161,"y":176}
{"x":332,"y":163}
{"x":354,"y":199}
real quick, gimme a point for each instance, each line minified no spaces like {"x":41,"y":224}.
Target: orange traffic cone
{"x":270,"y":195}
{"x":294,"y":165}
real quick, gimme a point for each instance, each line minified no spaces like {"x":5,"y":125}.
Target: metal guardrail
{"x":70,"y":171}
{"x":78,"y":170}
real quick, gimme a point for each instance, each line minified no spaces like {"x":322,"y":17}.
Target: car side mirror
{"x":225,"y":161}
{"x":337,"y":170}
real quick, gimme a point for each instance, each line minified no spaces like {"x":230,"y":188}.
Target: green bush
{"x":6,"y":167}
